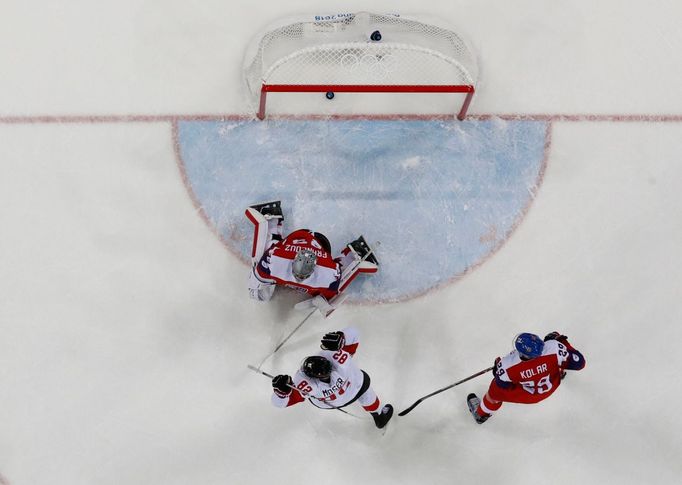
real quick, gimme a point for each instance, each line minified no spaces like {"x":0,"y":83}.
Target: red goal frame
{"x":367,"y":88}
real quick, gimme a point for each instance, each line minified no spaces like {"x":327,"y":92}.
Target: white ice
{"x":124,"y":324}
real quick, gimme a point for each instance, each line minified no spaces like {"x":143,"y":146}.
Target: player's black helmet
{"x":317,"y":367}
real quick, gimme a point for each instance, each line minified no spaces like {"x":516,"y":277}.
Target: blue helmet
{"x":528,"y":345}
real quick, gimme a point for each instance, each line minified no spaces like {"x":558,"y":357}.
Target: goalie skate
{"x":382,"y":418}
{"x":362,"y":249}
{"x":269,"y":210}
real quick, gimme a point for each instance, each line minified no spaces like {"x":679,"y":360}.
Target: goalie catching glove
{"x":333,"y":341}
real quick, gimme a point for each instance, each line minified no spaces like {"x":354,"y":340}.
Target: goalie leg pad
{"x":267,"y":220}
{"x":349,"y":273}
{"x":352,"y":263}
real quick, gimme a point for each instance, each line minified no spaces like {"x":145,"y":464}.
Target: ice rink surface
{"x":126,"y":328}
{"x":440,"y":197}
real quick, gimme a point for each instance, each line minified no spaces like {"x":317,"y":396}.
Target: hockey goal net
{"x":360,"y":53}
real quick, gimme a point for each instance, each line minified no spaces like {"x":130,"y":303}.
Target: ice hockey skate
{"x":473,"y":402}
{"x":361,"y":248}
{"x":381,"y":419}
{"x":270,"y":210}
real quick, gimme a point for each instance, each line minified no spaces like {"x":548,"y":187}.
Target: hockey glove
{"x":496,"y":364}
{"x":333,"y":341}
{"x":556,"y":336}
{"x":282,"y":385}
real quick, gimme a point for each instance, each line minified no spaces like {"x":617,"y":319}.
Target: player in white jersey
{"x":331,"y":380}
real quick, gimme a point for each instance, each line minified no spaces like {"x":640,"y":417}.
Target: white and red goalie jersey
{"x":273,"y":259}
{"x":347,"y":382}
{"x":276,"y":265}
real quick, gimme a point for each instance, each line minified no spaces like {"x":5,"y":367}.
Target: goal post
{"x":360,"y":53}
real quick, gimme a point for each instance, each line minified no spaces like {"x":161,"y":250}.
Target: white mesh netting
{"x":340,"y":52}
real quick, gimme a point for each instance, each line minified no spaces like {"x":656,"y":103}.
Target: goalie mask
{"x":304,"y":264}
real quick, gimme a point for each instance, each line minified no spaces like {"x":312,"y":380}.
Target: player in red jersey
{"x":302,"y":260}
{"x":529,"y":374}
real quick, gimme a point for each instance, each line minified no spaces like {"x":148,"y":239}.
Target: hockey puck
{"x":329,"y":95}
{"x":376,"y":36}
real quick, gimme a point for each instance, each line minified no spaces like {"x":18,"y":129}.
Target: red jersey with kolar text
{"x":276,"y":265}
{"x":345,"y":382}
{"x":531,"y":381}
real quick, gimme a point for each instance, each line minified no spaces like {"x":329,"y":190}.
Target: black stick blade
{"x":405,"y":411}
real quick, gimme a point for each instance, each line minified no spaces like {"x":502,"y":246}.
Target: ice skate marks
{"x":442,"y":196}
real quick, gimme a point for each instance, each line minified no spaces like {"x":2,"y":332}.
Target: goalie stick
{"x":279,"y":346}
{"x":405,"y":411}
{"x":329,"y":406}
{"x":333,"y":300}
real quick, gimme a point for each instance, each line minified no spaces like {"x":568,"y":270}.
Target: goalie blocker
{"x":302,"y":261}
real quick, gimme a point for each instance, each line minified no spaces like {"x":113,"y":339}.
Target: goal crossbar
{"x":367,"y":88}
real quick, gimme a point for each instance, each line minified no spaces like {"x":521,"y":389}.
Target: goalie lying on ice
{"x":302,"y":260}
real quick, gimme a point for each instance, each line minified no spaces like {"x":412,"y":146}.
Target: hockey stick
{"x":279,"y":346}
{"x":329,"y":406}
{"x":404,"y":412}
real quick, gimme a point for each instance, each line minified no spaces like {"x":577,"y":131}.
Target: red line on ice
{"x":174,"y":118}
